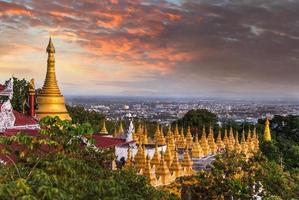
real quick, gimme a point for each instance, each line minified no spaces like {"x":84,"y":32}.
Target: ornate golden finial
{"x":31,"y":87}
{"x":50,"y":101}
{"x":103,"y":130}
{"x":267,"y":132}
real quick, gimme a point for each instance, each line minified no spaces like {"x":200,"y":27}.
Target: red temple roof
{"x":2,"y":87}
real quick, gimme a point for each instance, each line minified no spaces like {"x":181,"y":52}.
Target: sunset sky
{"x":206,"y":48}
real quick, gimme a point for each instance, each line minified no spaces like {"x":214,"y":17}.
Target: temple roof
{"x":2,"y":87}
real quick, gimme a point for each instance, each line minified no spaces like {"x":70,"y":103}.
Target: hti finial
{"x":50,"y":47}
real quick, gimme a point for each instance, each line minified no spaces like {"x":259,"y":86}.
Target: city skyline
{"x":204,"y":48}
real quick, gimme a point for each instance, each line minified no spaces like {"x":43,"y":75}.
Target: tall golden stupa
{"x":50,"y":100}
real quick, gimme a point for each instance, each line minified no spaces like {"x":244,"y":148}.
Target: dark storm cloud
{"x":210,"y":47}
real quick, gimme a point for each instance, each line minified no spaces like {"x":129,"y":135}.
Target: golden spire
{"x":156,"y":158}
{"x":256,"y":140}
{"x":176,"y":132}
{"x":250,"y":144}
{"x":121,"y":129}
{"x":225,"y":138}
{"x":230,"y":145}
{"x":231,"y":135}
{"x":211,"y":141}
{"x":196,"y":148}
{"x":181,"y":143}
{"x":187,"y":163}
{"x":145,"y":139}
{"x":244,"y":144}
{"x":189,"y":138}
{"x":163,"y":173}
{"x":50,"y":101}
{"x":149,"y":172}
{"x":140,"y":158}
{"x":128,"y":162}
{"x":238,"y":147}
{"x":219,"y":142}
{"x":168,"y":134}
{"x":267,"y":133}
{"x":104,"y":131}
{"x":204,"y":144}
{"x":176,"y":167}
{"x":168,"y":156}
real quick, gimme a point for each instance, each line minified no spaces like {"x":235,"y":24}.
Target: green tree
{"x":20,"y":94}
{"x":55,"y":165}
{"x":198,"y":118}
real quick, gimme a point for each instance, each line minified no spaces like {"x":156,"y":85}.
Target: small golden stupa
{"x":267,"y":132}
{"x":50,"y":100}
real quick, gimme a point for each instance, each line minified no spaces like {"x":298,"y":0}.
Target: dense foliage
{"x":20,"y":90}
{"x":57,"y":165}
{"x":198,"y":118}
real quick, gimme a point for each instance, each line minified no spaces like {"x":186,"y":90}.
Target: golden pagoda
{"x":156,"y":158}
{"x":250,"y":144}
{"x":225,"y":138}
{"x":230,"y":144}
{"x":211,"y":141}
{"x":145,"y":137}
{"x":120,"y":129}
{"x":103,"y":130}
{"x":149,"y":172}
{"x":256,"y":140}
{"x":231,"y":135}
{"x":244,"y":148}
{"x":189,"y":138}
{"x":267,"y":133}
{"x":187,"y":163}
{"x":219,"y":142}
{"x":159,"y":136}
{"x":171,"y":144}
{"x":140,"y":158}
{"x":204,"y":143}
{"x":168,"y":156}
{"x":176,"y":132}
{"x":176,"y":168}
{"x":238,"y":147}
{"x":50,"y":100}
{"x":163,"y":173}
{"x":181,"y":143}
{"x":196,"y":149}
{"x":128,"y":163}
{"x":168,"y":134}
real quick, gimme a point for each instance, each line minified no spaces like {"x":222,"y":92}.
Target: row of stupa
{"x":165,"y":166}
